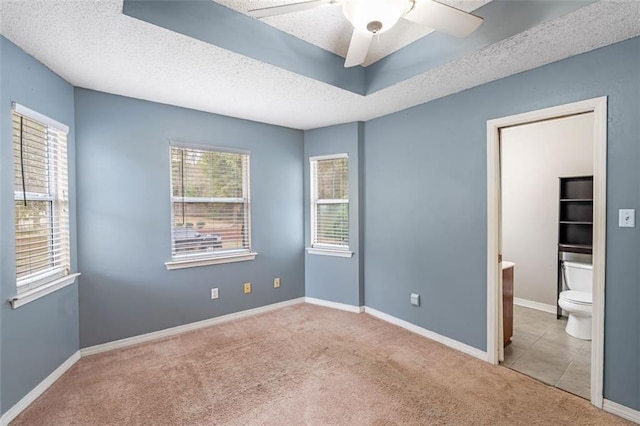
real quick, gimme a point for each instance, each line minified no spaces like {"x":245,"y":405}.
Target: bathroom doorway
{"x":534,"y":317}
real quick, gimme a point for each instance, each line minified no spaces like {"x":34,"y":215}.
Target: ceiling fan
{"x":373,"y":17}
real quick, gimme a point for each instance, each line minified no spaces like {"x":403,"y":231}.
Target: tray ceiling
{"x":92,"y":44}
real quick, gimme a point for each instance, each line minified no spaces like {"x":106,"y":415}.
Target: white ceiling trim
{"x":92,"y":44}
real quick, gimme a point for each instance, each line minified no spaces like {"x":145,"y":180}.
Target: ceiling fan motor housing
{"x":374,"y":16}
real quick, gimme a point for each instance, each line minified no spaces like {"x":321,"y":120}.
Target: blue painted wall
{"x":330,"y":278}
{"x":124,"y":217}
{"x":35,"y":338}
{"x":425,"y":217}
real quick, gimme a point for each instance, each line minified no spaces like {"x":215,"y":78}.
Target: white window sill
{"x":43,"y":290}
{"x":329,"y":252}
{"x":195,"y":262}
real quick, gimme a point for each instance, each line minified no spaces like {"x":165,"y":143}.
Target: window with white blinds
{"x":41,"y":202}
{"x":330,"y":202}
{"x":210,"y":199}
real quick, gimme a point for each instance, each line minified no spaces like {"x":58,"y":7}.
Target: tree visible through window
{"x":210,"y":199}
{"x":330,"y":202}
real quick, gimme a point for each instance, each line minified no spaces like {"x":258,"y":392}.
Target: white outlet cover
{"x":627,"y":218}
{"x":214,"y":293}
{"x":415,"y":299}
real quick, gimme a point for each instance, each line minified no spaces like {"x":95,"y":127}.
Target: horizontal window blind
{"x":330,"y":202}
{"x":41,"y":202}
{"x":210,"y":199}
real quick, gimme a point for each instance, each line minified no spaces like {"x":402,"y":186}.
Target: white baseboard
{"x":334,"y":305}
{"x":155,"y":335}
{"x":534,"y":305}
{"x":469,"y":350}
{"x":14,"y":411}
{"x":621,"y":411}
{"x":454,"y":344}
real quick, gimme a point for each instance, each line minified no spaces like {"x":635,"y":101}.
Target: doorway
{"x":598,"y":108}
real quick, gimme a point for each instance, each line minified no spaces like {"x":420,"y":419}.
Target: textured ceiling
{"x":92,"y":44}
{"x":326,"y":27}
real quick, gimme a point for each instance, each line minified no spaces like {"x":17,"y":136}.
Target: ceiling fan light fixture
{"x":374,"y":16}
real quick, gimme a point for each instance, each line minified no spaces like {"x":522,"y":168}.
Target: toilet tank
{"x":578,"y":276}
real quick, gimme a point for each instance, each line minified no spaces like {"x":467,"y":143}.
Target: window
{"x":330,"y":202}
{"x":210,"y":203}
{"x":41,"y":200}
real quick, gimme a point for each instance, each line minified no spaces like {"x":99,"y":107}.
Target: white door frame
{"x":599,"y":108}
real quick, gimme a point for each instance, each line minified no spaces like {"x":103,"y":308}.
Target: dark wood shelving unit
{"x":575,"y":225}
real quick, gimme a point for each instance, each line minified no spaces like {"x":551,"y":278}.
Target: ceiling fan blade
{"x":358,"y":48}
{"x":443,"y":18}
{"x":289,"y":8}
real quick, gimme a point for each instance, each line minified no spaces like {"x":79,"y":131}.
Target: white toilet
{"x":577,"y":300}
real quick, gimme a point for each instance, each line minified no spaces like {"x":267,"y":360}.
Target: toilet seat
{"x":577,"y":297}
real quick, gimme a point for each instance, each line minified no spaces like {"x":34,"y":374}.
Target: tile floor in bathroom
{"x":542,"y":349}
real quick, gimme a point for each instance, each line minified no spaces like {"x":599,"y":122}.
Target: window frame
{"x":323,"y":248}
{"x":54,"y":277}
{"x":217,"y":257}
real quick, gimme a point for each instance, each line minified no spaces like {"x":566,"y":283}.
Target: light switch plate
{"x":627,"y":218}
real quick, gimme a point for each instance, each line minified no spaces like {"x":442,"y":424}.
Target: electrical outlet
{"x":276,"y":283}
{"x":214,"y":293}
{"x":415,"y":299}
{"x":247,"y":288}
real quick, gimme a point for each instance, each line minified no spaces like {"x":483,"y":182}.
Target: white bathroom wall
{"x":533,"y":157}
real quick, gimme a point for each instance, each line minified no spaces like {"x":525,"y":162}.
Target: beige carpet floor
{"x":301,"y":365}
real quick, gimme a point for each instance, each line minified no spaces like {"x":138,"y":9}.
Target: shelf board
{"x":575,"y":248}
{"x":582,"y":200}
{"x":575,"y":222}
